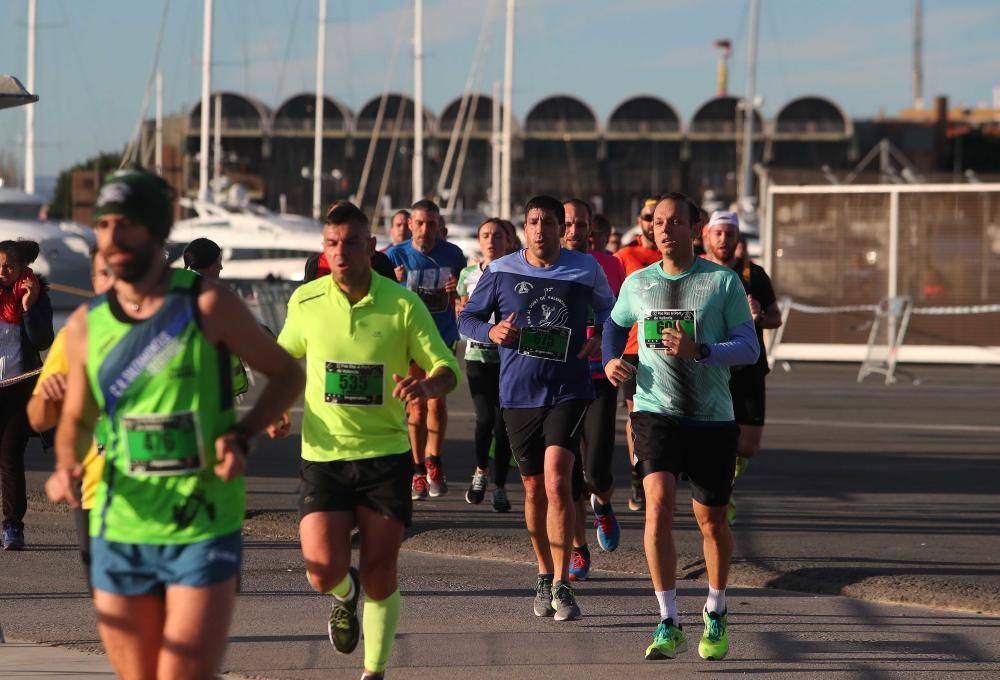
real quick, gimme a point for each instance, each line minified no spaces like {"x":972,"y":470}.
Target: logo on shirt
{"x":548,"y":310}
{"x":523,"y":288}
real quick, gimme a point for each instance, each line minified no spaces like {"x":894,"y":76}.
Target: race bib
{"x":163,"y":445}
{"x":544,"y":342}
{"x":429,"y":284}
{"x":484,"y":346}
{"x":658,"y":320}
{"x":353,"y":384}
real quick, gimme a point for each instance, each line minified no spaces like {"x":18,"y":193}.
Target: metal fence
{"x":838,"y":251}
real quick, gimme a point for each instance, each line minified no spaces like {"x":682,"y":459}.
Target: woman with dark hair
{"x":25,"y":332}
{"x":204,"y":256}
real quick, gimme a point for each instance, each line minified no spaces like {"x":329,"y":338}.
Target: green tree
{"x":62,"y":200}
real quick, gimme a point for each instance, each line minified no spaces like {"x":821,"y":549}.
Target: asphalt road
{"x":884,"y":493}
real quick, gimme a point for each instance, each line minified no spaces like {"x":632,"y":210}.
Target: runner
{"x":695,"y":324}
{"x":46,"y":404}
{"x":746,"y":383}
{"x":542,"y":294}
{"x":399,"y":228}
{"x":598,"y":443}
{"x":358,"y":332}
{"x":633,"y":258}
{"x":482,"y":364}
{"x":600,"y":233}
{"x":429,"y":266}
{"x":151,"y":356}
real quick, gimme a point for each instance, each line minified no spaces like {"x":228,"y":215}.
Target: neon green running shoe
{"x":714,"y":643}
{"x":731,"y":512}
{"x":668,"y":641}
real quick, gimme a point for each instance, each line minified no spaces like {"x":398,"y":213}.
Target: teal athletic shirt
{"x":707,"y":301}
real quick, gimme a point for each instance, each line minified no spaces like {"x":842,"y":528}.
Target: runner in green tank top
{"x":152,"y":357}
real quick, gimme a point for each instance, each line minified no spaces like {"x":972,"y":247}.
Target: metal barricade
{"x":892,"y":316}
{"x":269,"y":302}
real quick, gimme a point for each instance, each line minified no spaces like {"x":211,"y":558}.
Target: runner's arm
{"x":613,"y":341}
{"x":425,"y":346}
{"x":50,"y":390}
{"x":741,"y":347}
{"x":474,"y":322}
{"x":771,"y":317}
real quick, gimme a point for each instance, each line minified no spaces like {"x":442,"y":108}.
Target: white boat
{"x":256,"y":244}
{"x":65,"y":246}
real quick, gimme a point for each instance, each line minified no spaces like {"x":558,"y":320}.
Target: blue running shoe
{"x":609,"y":532}
{"x":13,"y":538}
{"x":579,"y":565}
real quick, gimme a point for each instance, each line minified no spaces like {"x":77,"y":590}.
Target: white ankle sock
{"x":716,"y":600}
{"x":668,"y":604}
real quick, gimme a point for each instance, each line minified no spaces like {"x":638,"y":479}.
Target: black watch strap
{"x":243,"y":435}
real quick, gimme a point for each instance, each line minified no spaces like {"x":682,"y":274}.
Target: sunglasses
{"x":646,"y":218}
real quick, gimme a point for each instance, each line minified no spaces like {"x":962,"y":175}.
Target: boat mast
{"x":29,"y":110}
{"x":918,"y":61}
{"x":418,"y":100}
{"x":748,"y":106}
{"x":318,"y":139}
{"x":508,"y":106}
{"x":158,"y":129}
{"x":495,"y":151}
{"x":206,"y":87}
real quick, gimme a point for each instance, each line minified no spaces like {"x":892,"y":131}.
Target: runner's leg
{"x":194,"y":633}
{"x":717,"y":542}
{"x":381,"y":536}
{"x":326,"y":548}
{"x":131,"y":629}
{"x":560,"y":514}
{"x":658,"y":538}
{"x":536,"y":508}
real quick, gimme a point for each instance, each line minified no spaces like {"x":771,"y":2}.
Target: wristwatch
{"x":243,"y":435}
{"x":704,"y":351}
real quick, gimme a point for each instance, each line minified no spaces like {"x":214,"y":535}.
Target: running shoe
{"x":731,"y":512}
{"x":436,"y":482}
{"x":543,"y":596}
{"x":564,"y":602}
{"x":343,"y":628}
{"x":714,"y":643}
{"x":477,"y":489}
{"x":668,"y":641}
{"x":418,"y":489}
{"x":500,"y":501}
{"x":608,"y":530}
{"x":13,"y":538}
{"x":637,"y":501}
{"x":579,"y":566}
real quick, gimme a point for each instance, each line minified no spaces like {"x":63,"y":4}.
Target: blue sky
{"x":95,"y":56}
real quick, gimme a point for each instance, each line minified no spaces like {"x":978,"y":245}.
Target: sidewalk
{"x":30,"y":661}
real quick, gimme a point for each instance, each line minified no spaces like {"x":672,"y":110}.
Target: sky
{"x":95,"y":57}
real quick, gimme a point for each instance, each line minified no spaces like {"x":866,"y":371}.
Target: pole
{"x":418,"y":100}
{"x":508,"y":106}
{"x":29,"y":110}
{"x":217,"y":143}
{"x":318,"y":138}
{"x":918,"y":60}
{"x":748,"y":104}
{"x":495,"y":151}
{"x":206,"y":88}
{"x":158,"y":134}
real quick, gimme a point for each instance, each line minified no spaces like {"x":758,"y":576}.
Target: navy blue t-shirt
{"x":425,"y":277}
{"x":551,"y":304}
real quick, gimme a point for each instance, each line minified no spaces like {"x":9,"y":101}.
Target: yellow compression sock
{"x":380,"y":620}
{"x":741,"y":465}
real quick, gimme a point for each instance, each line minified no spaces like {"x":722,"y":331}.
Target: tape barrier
{"x":71,"y":290}
{"x":20,"y":378}
{"x":932,"y":311}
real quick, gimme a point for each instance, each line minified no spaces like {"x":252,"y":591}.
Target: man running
{"x":399,"y":228}
{"x":541,"y":294}
{"x":358,"y":333}
{"x":695,"y":323}
{"x":482,"y":364}
{"x":599,"y":423}
{"x":429,"y":266}
{"x":151,"y":356}
{"x":633,"y":258}
{"x":746,"y":383}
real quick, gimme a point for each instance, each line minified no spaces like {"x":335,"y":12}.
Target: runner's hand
{"x":53,"y":388}
{"x":280,"y":428}
{"x":31,"y":292}
{"x":590,"y":347}
{"x":451,"y":285}
{"x":618,"y":371}
{"x":61,"y":486}
{"x":409,"y":389}
{"x":231,"y":455}
{"x":755,"y":309}
{"x":400,"y":273}
{"x":506,"y":333}
{"x":679,"y":344}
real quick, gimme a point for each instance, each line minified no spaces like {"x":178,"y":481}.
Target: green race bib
{"x":658,"y":320}
{"x":353,"y":384}
{"x":163,"y":445}
{"x":544,"y":342}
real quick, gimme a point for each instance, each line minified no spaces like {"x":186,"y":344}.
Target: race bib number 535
{"x":353,"y":384}
{"x":658,"y":320}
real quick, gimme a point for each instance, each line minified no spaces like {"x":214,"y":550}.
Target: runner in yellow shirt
{"x":358,"y":333}
{"x":46,"y":404}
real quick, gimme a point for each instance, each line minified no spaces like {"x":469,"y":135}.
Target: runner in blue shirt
{"x":542,"y":295}
{"x":429,"y":266}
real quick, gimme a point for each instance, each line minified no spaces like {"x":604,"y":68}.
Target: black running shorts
{"x":747,"y":387}
{"x":705,"y":453}
{"x":381,"y":484}
{"x":532,"y":430}
{"x":628,"y":387}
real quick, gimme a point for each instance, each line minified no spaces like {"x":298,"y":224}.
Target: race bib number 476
{"x":658,"y":320}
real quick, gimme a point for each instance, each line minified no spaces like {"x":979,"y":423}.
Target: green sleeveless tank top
{"x":167,"y":394}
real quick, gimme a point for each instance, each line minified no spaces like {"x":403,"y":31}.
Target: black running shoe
{"x":344,"y":628}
